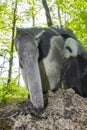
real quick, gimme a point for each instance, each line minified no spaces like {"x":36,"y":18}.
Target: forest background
{"x":28,"y":13}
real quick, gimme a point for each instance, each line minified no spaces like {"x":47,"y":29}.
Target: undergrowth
{"x":12,"y":91}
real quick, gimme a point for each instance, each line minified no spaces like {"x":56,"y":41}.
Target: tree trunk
{"x":60,"y":21}
{"x":59,"y":15}
{"x":49,"y":21}
{"x":12,"y":44}
{"x":33,"y":12}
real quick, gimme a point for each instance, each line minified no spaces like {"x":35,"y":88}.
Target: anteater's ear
{"x":71,"y":48}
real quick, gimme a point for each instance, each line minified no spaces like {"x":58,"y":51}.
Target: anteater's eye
{"x":67,"y":47}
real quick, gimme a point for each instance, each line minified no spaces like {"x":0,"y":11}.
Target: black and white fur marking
{"x":42,"y":53}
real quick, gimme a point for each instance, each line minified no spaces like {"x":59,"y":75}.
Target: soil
{"x":65,"y":111}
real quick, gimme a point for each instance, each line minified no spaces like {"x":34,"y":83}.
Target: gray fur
{"x":51,"y":46}
{"x":27,"y":42}
{"x":54,"y":61}
{"x":76,"y":47}
{"x":28,"y":58}
{"x":37,"y":38}
{"x":73,"y":45}
{"x":74,"y":71}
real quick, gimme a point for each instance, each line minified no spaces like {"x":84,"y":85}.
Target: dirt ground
{"x":65,"y":111}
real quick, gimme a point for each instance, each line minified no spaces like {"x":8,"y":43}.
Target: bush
{"x":12,"y":91}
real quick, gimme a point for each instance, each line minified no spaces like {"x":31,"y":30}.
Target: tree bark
{"x":33,"y":12}
{"x":48,"y":16}
{"x":60,"y":21}
{"x":12,"y":44}
{"x":59,"y":15}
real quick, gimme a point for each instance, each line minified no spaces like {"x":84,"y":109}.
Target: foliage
{"x":74,"y":17}
{"x":11,"y":91}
